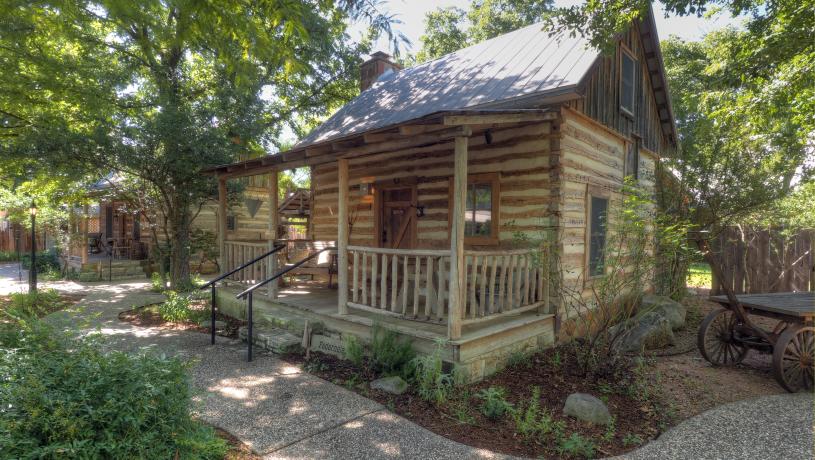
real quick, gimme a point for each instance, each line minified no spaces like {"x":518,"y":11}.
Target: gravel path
{"x":284,"y":413}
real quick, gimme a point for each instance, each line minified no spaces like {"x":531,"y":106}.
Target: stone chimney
{"x":370,"y":70}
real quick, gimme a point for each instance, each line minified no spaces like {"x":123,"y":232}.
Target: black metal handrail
{"x":211,"y":285}
{"x":249,"y":291}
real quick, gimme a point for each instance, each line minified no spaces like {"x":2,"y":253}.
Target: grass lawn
{"x":700,"y":276}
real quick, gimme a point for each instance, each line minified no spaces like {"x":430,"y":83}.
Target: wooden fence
{"x":764,"y":260}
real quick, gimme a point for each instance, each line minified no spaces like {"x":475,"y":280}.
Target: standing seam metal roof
{"x":522,"y":63}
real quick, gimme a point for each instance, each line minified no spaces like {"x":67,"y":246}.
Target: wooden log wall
{"x":592,"y":161}
{"x":762,"y":260}
{"x":248,"y":228}
{"x":601,"y":98}
{"x":519,"y":154}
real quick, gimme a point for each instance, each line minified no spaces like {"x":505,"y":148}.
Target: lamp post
{"x":32,"y":271}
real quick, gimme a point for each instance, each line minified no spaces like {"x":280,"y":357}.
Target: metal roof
{"x":517,"y":65}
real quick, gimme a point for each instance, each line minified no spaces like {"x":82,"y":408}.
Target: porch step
{"x":272,"y":339}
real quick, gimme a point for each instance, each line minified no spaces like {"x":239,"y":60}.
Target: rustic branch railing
{"x":414,"y":283}
{"x":239,"y":252}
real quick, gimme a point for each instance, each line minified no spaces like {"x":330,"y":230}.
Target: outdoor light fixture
{"x":32,"y":270}
{"x":366,"y":188}
{"x":419,"y":211}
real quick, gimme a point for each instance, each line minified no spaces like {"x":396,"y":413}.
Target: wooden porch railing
{"x":414,"y":284}
{"x":239,"y":252}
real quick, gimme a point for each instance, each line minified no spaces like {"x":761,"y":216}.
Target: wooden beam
{"x":381,"y":137}
{"x":457,"y":120}
{"x":412,"y":130}
{"x":274,"y":222}
{"x":222,"y":223}
{"x":414,"y":141}
{"x":342,"y":237}
{"x":457,"y":268}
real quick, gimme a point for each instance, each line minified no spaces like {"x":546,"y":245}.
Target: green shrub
{"x":47,"y":261}
{"x":531,"y":421}
{"x":354,"y":351}
{"x":432,"y":383}
{"x":177,"y":308}
{"x":576,"y":446}
{"x":8,"y":256}
{"x":389,"y":354}
{"x":495,"y":404}
{"x":519,"y":359}
{"x":67,"y":398}
{"x":36,"y":304}
{"x":156,"y":283}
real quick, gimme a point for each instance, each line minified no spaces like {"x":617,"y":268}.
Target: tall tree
{"x":158,"y":89}
{"x":450,"y":29}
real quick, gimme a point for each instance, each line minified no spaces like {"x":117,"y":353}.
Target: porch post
{"x":458,"y":271}
{"x":342,"y":236}
{"x":84,"y":232}
{"x":274,"y":221}
{"x":222,"y":223}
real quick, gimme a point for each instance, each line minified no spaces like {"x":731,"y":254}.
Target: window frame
{"x":234,"y":219}
{"x":594,"y":192}
{"x":494,"y":179}
{"x":627,"y":52}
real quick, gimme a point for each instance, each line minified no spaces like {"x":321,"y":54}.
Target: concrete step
{"x":273,"y":339}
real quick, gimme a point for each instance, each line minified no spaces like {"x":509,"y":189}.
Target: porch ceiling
{"x":431,"y":129}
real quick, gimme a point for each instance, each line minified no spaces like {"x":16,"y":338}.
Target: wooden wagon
{"x":725,"y":336}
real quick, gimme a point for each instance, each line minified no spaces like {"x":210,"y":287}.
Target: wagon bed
{"x":726,"y":335}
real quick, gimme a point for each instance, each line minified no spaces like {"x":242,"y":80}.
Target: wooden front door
{"x":397,"y":216}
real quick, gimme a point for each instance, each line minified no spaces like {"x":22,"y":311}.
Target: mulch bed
{"x":237,"y":449}
{"x":636,"y":417}
{"x":148,"y":316}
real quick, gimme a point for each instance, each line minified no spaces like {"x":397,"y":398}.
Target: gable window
{"x":480,"y":209}
{"x":598,"y":214}
{"x":628,"y":66}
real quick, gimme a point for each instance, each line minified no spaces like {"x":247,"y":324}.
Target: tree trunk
{"x":180,"y":248}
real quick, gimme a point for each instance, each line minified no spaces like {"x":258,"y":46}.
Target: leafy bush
{"x":389,"y":354}
{"x":37,"y":304}
{"x":531,"y":421}
{"x":157,"y":284}
{"x":177,"y":308}
{"x":577,"y":446}
{"x":8,"y":256}
{"x":354,"y":351}
{"x":495,"y":404}
{"x":47,"y":261}
{"x":67,"y":398}
{"x":432,"y":383}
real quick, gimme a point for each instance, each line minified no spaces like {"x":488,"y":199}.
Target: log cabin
{"x":438,"y":183}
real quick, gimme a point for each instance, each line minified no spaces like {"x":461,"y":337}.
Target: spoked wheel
{"x":716,"y":341}
{"x":794,"y":358}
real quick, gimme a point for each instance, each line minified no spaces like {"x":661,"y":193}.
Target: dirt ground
{"x":693,"y":386}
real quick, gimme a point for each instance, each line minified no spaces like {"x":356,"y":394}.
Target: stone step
{"x":286,"y":321}
{"x":273,"y":339}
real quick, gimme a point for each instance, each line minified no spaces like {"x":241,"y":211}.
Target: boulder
{"x":672,"y":310}
{"x":587,"y":408}
{"x":393,"y":385}
{"x":648,"y":331}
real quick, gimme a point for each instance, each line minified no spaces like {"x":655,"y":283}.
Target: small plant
{"x":494,"y":404}
{"x":611,"y":430}
{"x":176,"y":308}
{"x":432,"y":383}
{"x":389,"y":354}
{"x":531,"y":421}
{"x":35,"y":304}
{"x":354,"y":351}
{"x":632,"y":439}
{"x":576,"y":445}
{"x":315,"y":365}
{"x":519,"y":359}
{"x":556,"y":360}
{"x":461,"y":411}
{"x":157,"y":284}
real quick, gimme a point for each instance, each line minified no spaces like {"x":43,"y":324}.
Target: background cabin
{"x":447,"y":187}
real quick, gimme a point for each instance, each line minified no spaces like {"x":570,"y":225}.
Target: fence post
{"x":212,"y":305}
{"x":250,"y":337}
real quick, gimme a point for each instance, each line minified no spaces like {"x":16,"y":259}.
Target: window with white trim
{"x":628,"y":74}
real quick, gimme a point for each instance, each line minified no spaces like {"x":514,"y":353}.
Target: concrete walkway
{"x":284,"y":413}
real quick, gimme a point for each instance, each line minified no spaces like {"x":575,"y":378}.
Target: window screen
{"x":597,"y":235}
{"x":478,"y":215}
{"x":627,"y":83}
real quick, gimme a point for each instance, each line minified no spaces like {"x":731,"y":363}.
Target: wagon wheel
{"x":716,"y":341}
{"x":794,"y":358}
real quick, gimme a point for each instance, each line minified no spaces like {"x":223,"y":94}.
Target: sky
{"x":412,"y":13}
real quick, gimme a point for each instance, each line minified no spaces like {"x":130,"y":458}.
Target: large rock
{"x":588,"y":408}
{"x":672,"y":310}
{"x":648,"y":331}
{"x":393,"y":385}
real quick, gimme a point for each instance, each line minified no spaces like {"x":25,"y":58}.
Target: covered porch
{"x":478,"y":298}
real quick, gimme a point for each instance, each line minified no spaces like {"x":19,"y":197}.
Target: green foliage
{"x":67,"y":398}
{"x":518,"y":359}
{"x":177,"y":308}
{"x":47,"y":261}
{"x":432,"y":383}
{"x":37,"y":304}
{"x":157,"y":284}
{"x":354,"y":350}
{"x":8,"y":256}
{"x":534,"y":422}
{"x":494,"y":405}
{"x":576,"y":446}
{"x":699,"y":275}
{"x":631,"y":439}
{"x":450,"y":29}
{"x":390,"y":355}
